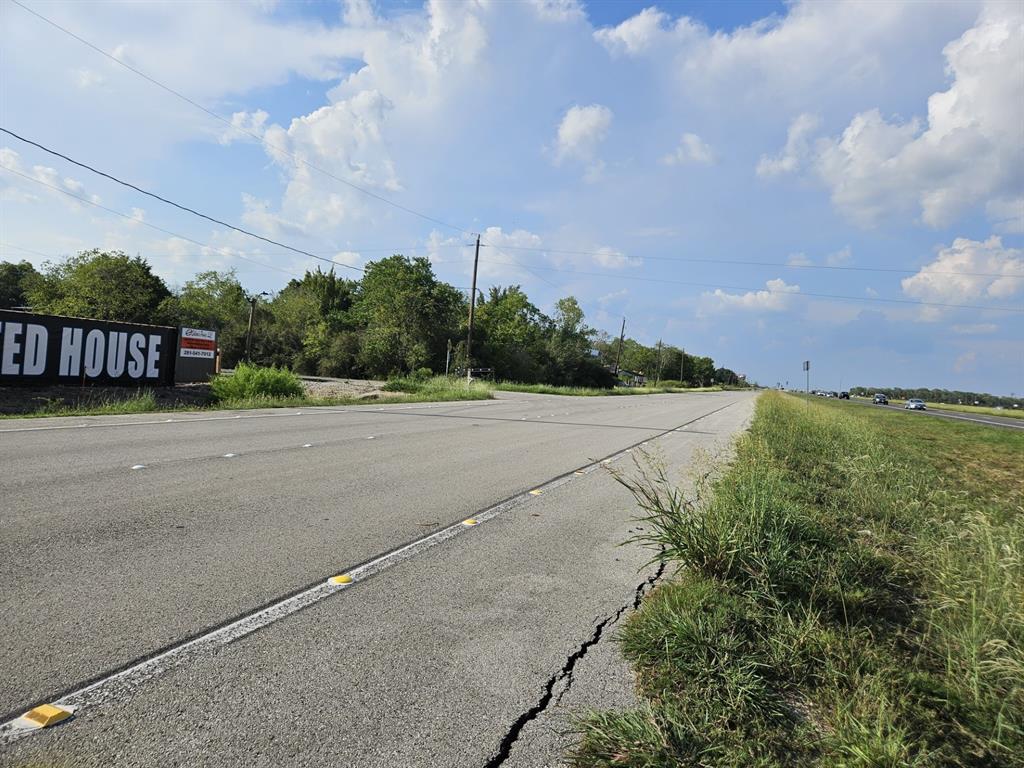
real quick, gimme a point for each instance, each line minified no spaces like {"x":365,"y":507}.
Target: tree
{"x":217,"y":301}
{"x":15,"y":282}
{"x":510,"y":332}
{"x":101,"y":285}
{"x":408,"y":316}
{"x":703,"y":371}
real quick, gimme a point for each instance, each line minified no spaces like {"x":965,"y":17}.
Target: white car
{"x":915,"y":404}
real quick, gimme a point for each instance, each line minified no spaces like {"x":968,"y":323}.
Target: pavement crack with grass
{"x":567,"y":672}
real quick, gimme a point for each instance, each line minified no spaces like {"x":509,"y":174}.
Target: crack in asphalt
{"x":567,"y":671}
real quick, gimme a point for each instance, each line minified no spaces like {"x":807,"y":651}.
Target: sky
{"x":761,"y":182}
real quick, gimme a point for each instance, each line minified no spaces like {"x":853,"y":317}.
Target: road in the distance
{"x":1007,"y":422}
{"x":104,"y":564}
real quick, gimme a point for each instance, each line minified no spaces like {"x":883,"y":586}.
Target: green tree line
{"x":396,"y":319}
{"x":947,"y":396}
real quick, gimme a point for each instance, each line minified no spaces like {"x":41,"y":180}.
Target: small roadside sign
{"x":196,"y":342}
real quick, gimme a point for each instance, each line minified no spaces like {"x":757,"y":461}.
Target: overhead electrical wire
{"x":748,"y":289}
{"x":179,"y":206}
{"x":87,"y":201}
{"x":238,"y":128}
{"x":784,"y":265}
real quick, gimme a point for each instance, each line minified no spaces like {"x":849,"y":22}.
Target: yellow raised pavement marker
{"x":45,"y":715}
{"x":471,"y":521}
{"x":536,"y":492}
{"x":341,"y":579}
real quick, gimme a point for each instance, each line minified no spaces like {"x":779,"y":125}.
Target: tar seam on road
{"x":110,"y":684}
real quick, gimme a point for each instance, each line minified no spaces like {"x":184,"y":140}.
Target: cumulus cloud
{"x":967,"y":151}
{"x":636,"y":34}
{"x":796,"y":151}
{"x":245,"y":125}
{"x":799,"y":260}
{"x":580,"y":133}
{"x":969,"y":270}
{"x":1006,"y":215}
{"x":775,"y":299}
{"x":839,"y":258}
{"x":46,"y":175}
{"x":691,"y":149}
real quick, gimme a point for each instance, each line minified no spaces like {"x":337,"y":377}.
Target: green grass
{"x":550,"y":389}
{"x":850,"y":593}
{"x":252,"y":381}
{"x":429,"y":391}
{"x":142,"y":401}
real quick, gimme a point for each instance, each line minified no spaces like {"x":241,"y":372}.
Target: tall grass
{"x":251,"y":381}
{"x":439,"y":388}
{"x":850,"y":592}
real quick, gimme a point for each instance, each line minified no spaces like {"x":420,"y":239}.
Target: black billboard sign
{"x":47,"y":349}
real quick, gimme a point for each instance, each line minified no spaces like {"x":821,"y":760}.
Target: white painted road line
{"x":118,"y":684}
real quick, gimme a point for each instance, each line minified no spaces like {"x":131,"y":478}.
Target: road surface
{"x":1006,"y":422}
{"x":166,"y":575}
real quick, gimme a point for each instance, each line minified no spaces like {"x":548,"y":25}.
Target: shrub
{"x":256,"y":381}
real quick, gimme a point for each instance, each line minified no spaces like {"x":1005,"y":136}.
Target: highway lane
{"x":455,"y":657}
{"x":1005,"y":422}
{"x":104,"y":564}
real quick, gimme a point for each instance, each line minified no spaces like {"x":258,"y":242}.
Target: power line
{"x":761,"y":289}
{"x":179,"y":206}
{"x":238,"y":128}
{"x":694,"y":260}
{"x":87,"y":201}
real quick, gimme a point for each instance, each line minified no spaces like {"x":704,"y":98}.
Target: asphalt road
{"x":1006,"y":422}
{"x":123,"y":538}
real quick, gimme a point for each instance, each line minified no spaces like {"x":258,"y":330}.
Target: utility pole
{"x":248,"y":333}
{"x":618,"y":354}
{"x":447,"y":357}
{"x":657,"y":378}
{"x":807,"y":369}
{"x":682,"y":360}
{"x":472,"y":309}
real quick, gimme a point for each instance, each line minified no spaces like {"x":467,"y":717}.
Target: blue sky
{"x":751,"y":181}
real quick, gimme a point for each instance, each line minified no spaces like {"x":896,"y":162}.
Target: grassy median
{"x":850,"y":593}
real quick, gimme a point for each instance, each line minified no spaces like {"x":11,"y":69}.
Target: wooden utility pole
{"x":472,"y":309}
{"x":657,"y":378}
{"x":248,"y":333}
{"x":618,"y":354}
{"x":682,"y":361}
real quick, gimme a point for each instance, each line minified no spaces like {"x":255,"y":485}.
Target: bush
{"x":256,"y":381}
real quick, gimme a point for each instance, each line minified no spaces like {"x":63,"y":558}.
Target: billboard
{"x":47,"y":349}
{"x":197,"y":355}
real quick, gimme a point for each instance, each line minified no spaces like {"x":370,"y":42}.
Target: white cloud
{"x":839,"y":258}
{"x":258,"y":216}
{"x":88,"y":78}
{"x":965,"y":362}
{"x":996,"y":272}
{"x":691,"y":149}
{"x":581,"y":131}
{"x":245,"y":125}
{"x":796,"y":151}
{"x":975,"y":329}
{"x":1006,"y":215}
{"x":775,"y":299}
{"x":17,"y":188}
{"x":799,"y":260}
{"x":636,"y":34}
{"x":968,"y":151}
{"x":559,"y":10}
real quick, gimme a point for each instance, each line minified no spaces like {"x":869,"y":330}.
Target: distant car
{"x":915,"y":404}
{"x":880,"y":399}
{"x":833,"y":394}
{"x":844,"y":395}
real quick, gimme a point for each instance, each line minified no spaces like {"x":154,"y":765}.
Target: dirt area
{"x":32,"y":399}
{"x":361,"y":388}
{"x":15,"y":400}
